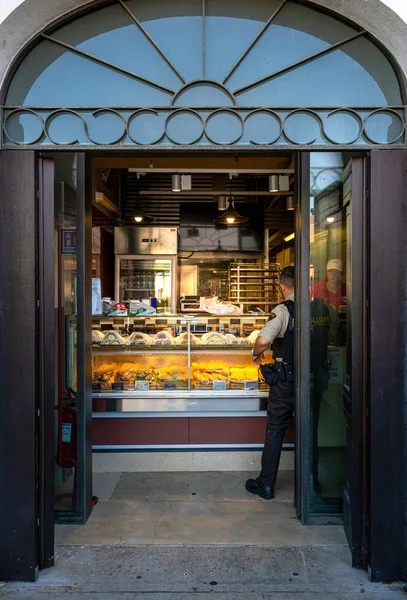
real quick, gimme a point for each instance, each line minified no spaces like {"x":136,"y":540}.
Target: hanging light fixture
{"x":176,"y":182}
{"x":230,"y":216}
{"x":140,"y":216}
{"x":273,"y":183}
{"x":221,"y":202}
{"x":290,"y":203}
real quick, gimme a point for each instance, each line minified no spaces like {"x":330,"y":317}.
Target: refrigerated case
{"x":178,"y":363}
{"x":188,"y":382}
{"x":140,"y":276}
{"x":145,"y":265}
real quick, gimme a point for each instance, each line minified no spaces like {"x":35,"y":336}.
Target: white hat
{"x":334,"y":263}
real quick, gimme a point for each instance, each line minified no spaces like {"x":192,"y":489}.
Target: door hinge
{"x":38,"y":522}
{"x":38,"y":412}
{"x":38,"y":194}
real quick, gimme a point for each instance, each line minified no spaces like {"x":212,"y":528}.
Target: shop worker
{"x":279,"y":333}
{"x":332,"y":289}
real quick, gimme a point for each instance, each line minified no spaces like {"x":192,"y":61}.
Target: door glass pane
{"x":328,"y":332}
{"x":65,"y":194}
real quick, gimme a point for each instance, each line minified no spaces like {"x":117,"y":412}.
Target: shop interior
{"x":186,"y":256}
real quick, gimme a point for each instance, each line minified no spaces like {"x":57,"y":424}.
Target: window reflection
{"x":328,"y":332}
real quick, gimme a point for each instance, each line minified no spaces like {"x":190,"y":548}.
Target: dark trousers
{"x":280,"y":412}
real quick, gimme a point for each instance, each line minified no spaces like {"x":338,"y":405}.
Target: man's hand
{"x":258,"y":359}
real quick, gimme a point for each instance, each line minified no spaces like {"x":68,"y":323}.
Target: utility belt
{"x":278,"y":372}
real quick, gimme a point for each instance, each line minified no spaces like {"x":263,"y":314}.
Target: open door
{"x":354,"y":390}
{"x":331,"y":318}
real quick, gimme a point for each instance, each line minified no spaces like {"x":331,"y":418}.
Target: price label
{"x":96,"y":387}
{"x":251,"y":384}
{"x":117,"y":387}
{"x":170,"y":385}
{"x":219,"y":385}
{"x":142,"y":386}
{"x":235,"y":321}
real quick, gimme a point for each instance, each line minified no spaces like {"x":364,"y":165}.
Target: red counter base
{"x":182,"y":430}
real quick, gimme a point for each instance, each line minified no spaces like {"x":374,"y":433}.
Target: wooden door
{"x":354,"y":390}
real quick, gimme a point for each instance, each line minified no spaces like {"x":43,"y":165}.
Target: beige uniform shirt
{"x":277,"y":326}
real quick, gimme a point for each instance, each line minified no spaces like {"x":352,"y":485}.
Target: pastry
{"x":97,"y":336}
{"x":253,"y":336}
{"x":112,"y":338}
{"x":213,"y":337}
{"x":182,"y":339}
{"x":139,"y":339}
{"x":163,"y":338}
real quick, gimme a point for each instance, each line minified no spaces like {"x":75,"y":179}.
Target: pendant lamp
{"x":140,"y":216}
{"x":290,"y":203}
{"x":230,"y":217}
{"x":176,"y":182}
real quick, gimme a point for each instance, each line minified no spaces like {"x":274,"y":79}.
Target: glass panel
{"x":65,"y":330}
{"x":328,"y":332}
{"x":53,"y":76}
{"x":111,"y":34}
{"x":231,"y":26}
{"x":177,"y":28}
{"x":295,"y":33}
{"x":317,"y":84}
{"x":146,"y":279}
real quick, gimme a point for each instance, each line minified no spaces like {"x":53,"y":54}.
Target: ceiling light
{"x":176,"y":182}
{"x":230,"y":216}
{"x":186,"y":183}
{"x":140,"y":216}
{"x":290,"y":203}
{"x":273,"y":183}
{"x":330,"y":219}
{"x":289,"y":237}
{"x":283,"y":183}
{"x":104,"y":201}
{"x":222,"y":203}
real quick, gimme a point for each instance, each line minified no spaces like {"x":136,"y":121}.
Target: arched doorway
{"x":275,"y":87}
{"x":130,"y":76}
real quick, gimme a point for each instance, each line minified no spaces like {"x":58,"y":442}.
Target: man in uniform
{"x":278,"y":332}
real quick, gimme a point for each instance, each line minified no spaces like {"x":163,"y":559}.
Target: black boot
{"x":255,"y":486}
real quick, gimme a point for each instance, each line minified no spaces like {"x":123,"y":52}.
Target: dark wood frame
{"x":387,"y":380}
{"x":18,"y":367}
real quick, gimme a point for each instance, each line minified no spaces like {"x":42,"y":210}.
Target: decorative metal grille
{"x":228,"y":124}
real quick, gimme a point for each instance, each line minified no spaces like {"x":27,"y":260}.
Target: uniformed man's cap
{"x":334,"y":263}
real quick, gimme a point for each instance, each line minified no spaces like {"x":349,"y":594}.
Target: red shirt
{"x":338,"y":299}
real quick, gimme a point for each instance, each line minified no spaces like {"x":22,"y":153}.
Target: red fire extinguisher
{"x":67,"y":438}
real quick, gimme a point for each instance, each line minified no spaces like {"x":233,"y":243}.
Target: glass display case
{"x":175,"y":363}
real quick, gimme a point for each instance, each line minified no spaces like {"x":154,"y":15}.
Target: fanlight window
{"x":204,"y":72}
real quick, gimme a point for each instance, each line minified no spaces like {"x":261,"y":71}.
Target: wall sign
{"x":68,"y":241}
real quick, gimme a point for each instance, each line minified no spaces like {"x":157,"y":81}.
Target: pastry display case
{"x":175,"y":363}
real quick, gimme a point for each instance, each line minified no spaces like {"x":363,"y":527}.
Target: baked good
{"x":139,"y":339}
{"x":253,"y":336}
{"x":163,"y":338}
{"x":112,"y":338}
{"x":213,"y":337}
{"x":182,"y":339}
{"x":232,"y":340}
{"x":97,"y":336}
{"x":251,"y":372}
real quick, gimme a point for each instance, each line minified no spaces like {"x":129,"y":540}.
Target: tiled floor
{"x":193,"y":508}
